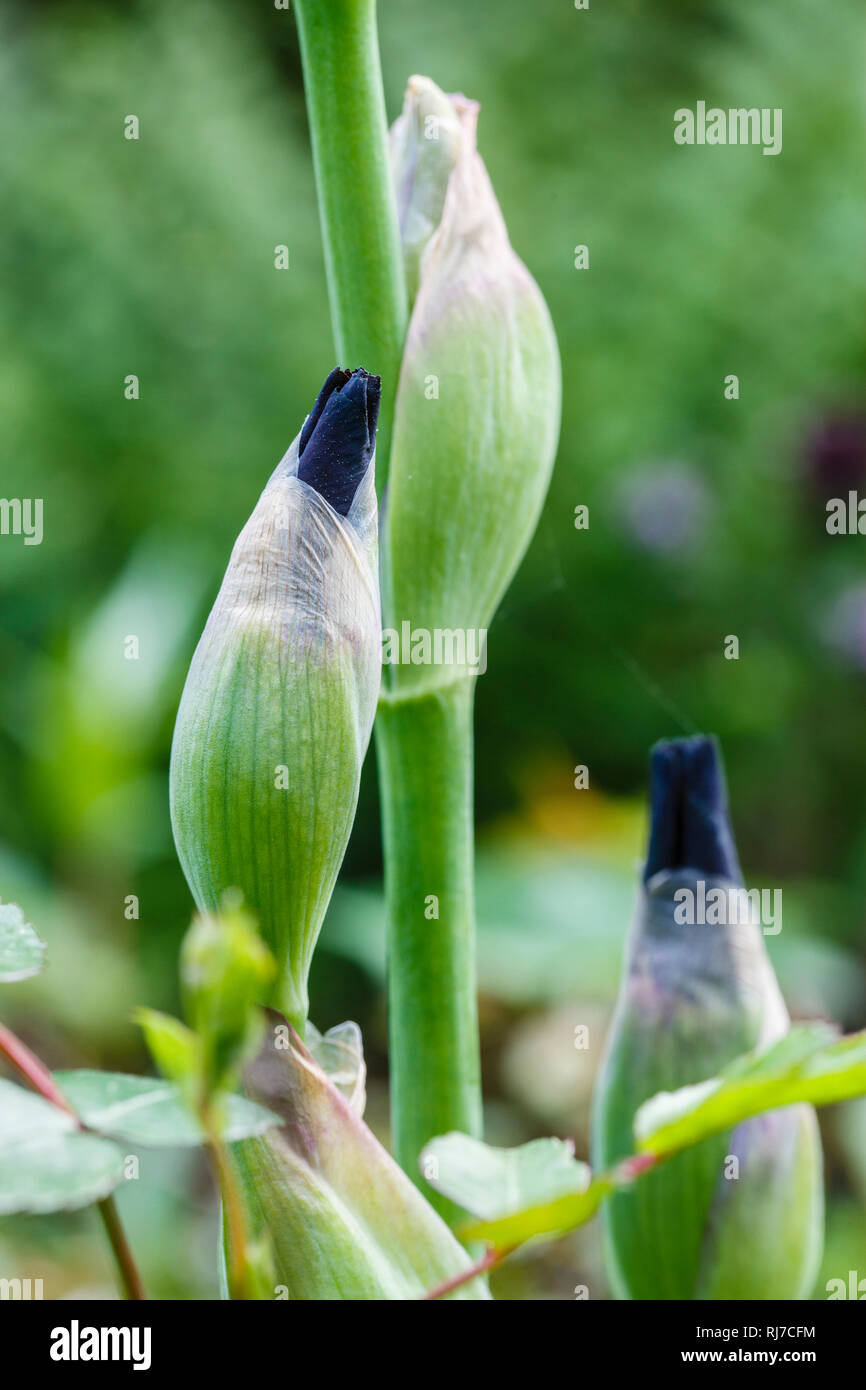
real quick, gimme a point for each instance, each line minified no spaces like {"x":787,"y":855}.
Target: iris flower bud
{"x":425,"y":145}
{"x":344,"y":1221}
{"x":478,"y":401}
{"x":740,"y":1215}
{"x":279,"y":701}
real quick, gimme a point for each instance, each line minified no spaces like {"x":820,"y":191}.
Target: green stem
{"x":424,"y":745}
{"x":237,"y":1268}
{"x":425,"y":774}
{"x":129,"y":1276}
{"x":357,"y":205}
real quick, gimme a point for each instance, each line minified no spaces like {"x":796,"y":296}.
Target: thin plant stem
{"x":357,"y":203}
{"x":235,"y":1222}
{"x":32,"y":1069}
{"x":481,"y":1267}
{"x":425,"y":773}
{"x":127,"y":1268}
{"x":36,"y":1074}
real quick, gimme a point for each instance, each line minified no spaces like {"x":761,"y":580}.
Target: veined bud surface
{"x":279,"y":701}
{"x":478,"y":402}
{"x":739,"y":1216}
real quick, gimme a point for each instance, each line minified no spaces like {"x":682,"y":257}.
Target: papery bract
{"x":344,"y":1221}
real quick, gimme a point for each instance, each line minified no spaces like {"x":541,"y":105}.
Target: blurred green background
{"x":156,"y":258}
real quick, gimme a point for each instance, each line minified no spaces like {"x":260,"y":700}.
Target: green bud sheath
{"x":425,"y":143}
{"x":279,"y":701}
{"x":478,"y":403}
{"x":344,"y":1221}
{"x":694,"y":996}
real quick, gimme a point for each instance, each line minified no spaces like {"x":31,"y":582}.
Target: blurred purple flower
{"x":844,"y":625}
{"x":836,"y":454}
{"x":664,"y":507}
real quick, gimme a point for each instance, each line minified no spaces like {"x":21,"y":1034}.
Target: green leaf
{"x":547,"y":1219}
{"x":174,"y":1048}
{"x":22,"y":953}
{"x":493,"y":1182}
{"x":538,"y":1188}
{"x":25,"y":1116}
{"x":810,"y":1064}
{"x":46,"y":1163}
{"x":140,"y":1110}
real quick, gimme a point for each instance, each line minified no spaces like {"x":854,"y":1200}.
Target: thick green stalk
{"x":363,"y":257}
{"x":424,"y":745}
{"x":425,"y":772}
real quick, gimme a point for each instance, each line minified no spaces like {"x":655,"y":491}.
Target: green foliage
{"x":21,"y":951}
{"x":810,"y":1064}
{"x":168,"y":261}
{"x":175,"y":1049}
{"x":139,"y":1110}
{"x":539,"y":1189}
{"x":46,"y":1163}
{"x":225,"y":970}
{"x":493,"y":1183}
{"x":165,"y":269}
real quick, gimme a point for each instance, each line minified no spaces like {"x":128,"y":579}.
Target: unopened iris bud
{"x":477,"y":408}
{"x":738,"y":1216}
{"x":425,"y":145}
{"x":279,"y":701}
{"x":336,"y":445}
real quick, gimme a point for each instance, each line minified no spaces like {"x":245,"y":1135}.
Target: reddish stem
{"x":28,"y":1065}
{"x":634,"y":1167}
{"x":488,"y":1262}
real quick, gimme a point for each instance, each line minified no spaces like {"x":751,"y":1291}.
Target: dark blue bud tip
{"x":689,"y":826}
{"x":339,"y":436}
